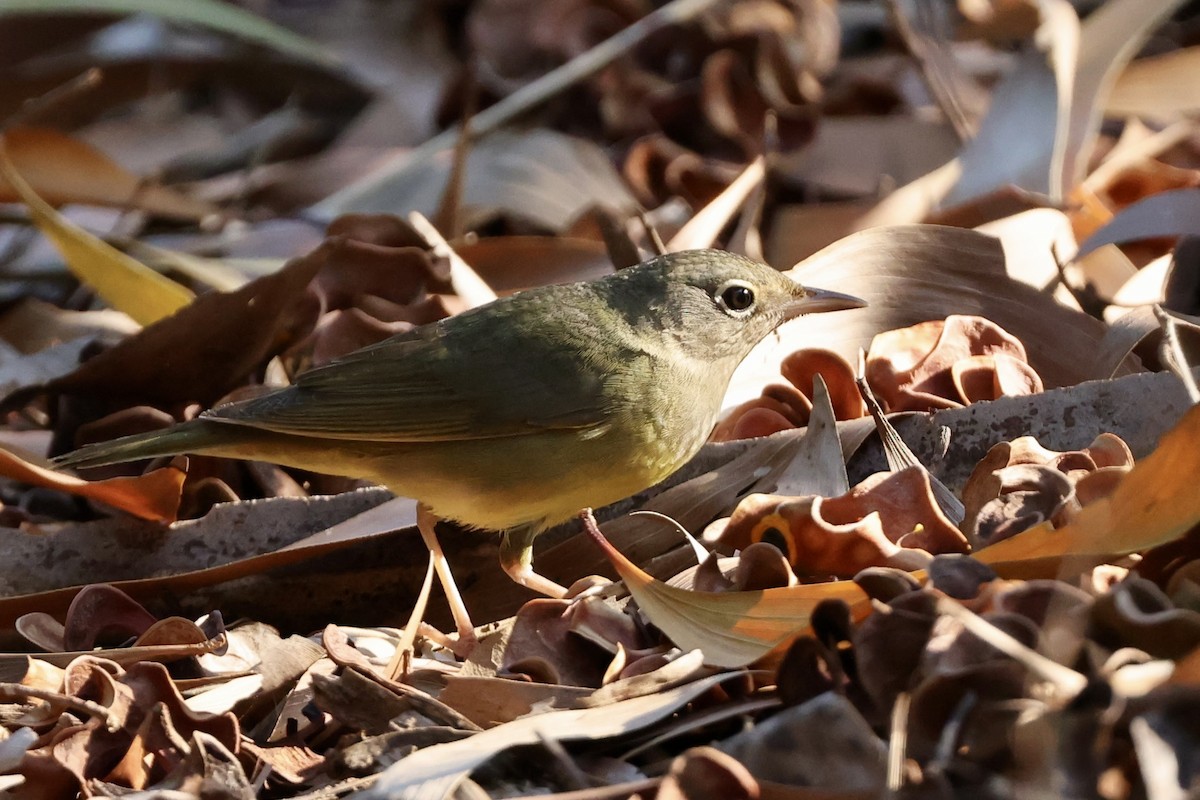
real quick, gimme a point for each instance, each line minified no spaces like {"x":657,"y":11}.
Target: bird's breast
{"x":658,"y":415}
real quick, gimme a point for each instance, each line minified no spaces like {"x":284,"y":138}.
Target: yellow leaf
{"x":124,"y":283}
{"x":732,"y":629}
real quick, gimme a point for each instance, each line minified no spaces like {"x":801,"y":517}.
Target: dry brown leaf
{"x":888,"y":520}
{"x":945,"y":364}
{"x":1153,"y":505}
{"x":512,"y":263}
{"x":841,"y":756}
{"x":1171,"y":213}
{"x":729,"y":628}
{"x":705,"y":773}
{"x":62,"y":169}
{"x":993,"y":479}
{"x":781,"y":407}
{"x":853,"y":156}
{"x":146,"y":714}
{"x":657,"y":169}
{"x":1044,"y":117}
{"x":539,"y":176}
{"x":208,"y":348}
{"x":274,"y":525}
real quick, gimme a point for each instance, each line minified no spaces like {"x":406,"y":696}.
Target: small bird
{"x":516,"y":415}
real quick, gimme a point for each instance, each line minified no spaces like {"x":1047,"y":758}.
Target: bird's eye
{"x":737,"y":297}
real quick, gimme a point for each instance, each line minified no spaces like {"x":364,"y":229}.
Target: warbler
{"x":515,"y":415}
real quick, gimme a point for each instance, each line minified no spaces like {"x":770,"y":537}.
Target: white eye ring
{"x":736,"y":298}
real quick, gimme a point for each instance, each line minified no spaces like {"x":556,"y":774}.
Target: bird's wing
{"x":481,"y":379}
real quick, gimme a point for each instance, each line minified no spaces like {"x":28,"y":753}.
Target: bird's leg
{"x":516,"y":557}
{"x":426,"y":521}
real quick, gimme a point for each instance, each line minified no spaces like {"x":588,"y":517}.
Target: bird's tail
{"x":190,"y":437}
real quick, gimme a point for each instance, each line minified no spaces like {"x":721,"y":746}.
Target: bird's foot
{"x":524,"y":575}
{"x":461,"y":643}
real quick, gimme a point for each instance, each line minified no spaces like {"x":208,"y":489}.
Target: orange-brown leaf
{"x":154,"y":496}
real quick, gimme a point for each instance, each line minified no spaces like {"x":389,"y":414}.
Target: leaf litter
{"x":846,"y":636}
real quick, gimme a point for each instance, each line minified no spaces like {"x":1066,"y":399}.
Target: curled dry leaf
{"x":146,"y":717}
{"x":658,"y":168}
{"x":558,"y":642}
{"x":841,"y":751}
{"x":728,"y":628}
{"x":888,"y":520}
{"x":784,"y":406}
{"x":102,"y":609}
{"x":948,"y":364}
{"x":1152,"y":505}
{"x":914,"y":273}
{"x":1020,"y":484}
{"x":759,"y":565}
{"x":705,"y":773}
{"x":544,"y":35}
{"x":1136,"y":613}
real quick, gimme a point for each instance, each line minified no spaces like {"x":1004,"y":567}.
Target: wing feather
{"x":481,"y":377}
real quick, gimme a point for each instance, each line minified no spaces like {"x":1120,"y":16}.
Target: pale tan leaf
{"x":1158,"y":87}
{"x":914,"y":273}
{"x":432,"y":772}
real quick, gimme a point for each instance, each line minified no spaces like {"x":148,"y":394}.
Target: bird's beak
{"x":815,"y":301}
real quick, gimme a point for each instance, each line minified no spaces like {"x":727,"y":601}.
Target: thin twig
{"x":898,"y":743}
{"x":359,"y":194}
{"x":57,"y":700}
{"x":449,"y":212}
{"x":900,"y":456}
{"x":651,"y":233}
{"x":1066,"y":682}
{"x":933,"y":72}
{"x":34,"y":107}
{"x":466,"y":281}
{"x":1176,"y":359}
